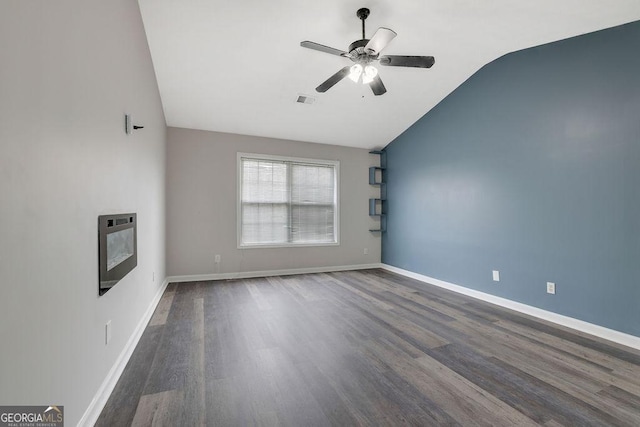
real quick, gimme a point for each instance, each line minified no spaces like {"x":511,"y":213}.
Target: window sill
{"x":287,"y":245}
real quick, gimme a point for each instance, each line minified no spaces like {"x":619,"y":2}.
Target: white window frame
{"x":253,"y":156}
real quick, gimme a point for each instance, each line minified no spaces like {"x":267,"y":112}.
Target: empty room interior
{"x":320,"y":213}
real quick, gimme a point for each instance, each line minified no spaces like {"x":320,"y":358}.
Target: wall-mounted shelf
{"x":383,"y":157}
{"x":383,"y":225}
{"x":375,"y":175}
{"x":377,"y":206}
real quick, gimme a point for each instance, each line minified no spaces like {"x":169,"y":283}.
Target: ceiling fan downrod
{"x":362,"y":13}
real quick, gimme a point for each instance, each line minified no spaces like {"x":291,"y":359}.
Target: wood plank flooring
{"x":364,"y":348}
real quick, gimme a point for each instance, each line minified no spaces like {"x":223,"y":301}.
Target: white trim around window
{"x":291,"y":219}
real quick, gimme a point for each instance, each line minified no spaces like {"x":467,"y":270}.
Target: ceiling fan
{"x":364,"y":53}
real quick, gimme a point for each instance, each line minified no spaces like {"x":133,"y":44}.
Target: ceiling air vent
{"x":303,"y":99}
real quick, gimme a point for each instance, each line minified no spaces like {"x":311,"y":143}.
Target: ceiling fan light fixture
{"x":356,"y":71}
{"x":370,"y":72}
{"x":364,"y":52}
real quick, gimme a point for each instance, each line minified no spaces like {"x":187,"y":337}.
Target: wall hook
{"x":129,"y":126}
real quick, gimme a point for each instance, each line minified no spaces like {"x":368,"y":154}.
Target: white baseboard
{"x":579,"y":325}
{"x":102,"y":395}
{"x":267,"y":273}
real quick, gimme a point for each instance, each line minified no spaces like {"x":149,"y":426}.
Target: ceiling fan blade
{"x":328,"y":84}
{"x":377,"y":86}
{"x":323,"y":48}
{"x":407,"y":61}
{"x":379,"y":41}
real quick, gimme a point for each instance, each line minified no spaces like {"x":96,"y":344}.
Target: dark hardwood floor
{"x":364,"y":348}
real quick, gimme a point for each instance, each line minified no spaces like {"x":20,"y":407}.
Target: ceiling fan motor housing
{"x":358,"y":54}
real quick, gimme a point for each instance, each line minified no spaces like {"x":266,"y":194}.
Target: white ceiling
{"x":237,"y":66}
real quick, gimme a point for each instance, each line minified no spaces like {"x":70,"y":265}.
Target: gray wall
{"x":201,"y":206}
{"x":70,"y":70}
{"x":531,"y":167}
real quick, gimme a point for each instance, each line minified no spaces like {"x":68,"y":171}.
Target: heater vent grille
{"x":303,"y":99}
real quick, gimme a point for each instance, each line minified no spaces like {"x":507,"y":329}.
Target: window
{"x":286,"y":201}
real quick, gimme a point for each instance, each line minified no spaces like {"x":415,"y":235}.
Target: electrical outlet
{"x":551,"y":288}
{"x":107,"y":332}
{"x":217,"y":258}
{"x":496,"y":276}
{"x":366,"y":251}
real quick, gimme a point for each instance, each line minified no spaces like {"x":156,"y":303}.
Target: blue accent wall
{"x":531,"y":167}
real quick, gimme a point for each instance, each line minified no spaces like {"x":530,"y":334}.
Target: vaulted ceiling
{"x":237,"y":66}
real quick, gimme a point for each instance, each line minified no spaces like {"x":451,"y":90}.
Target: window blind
{"x":287,"y":202}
